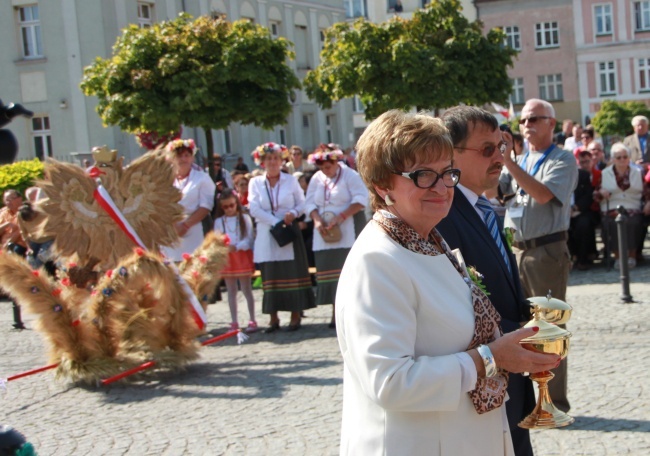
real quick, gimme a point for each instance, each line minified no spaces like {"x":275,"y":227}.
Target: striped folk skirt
{"x":328,"y":270}
{"x":240,"y":265}
{"x":287,"y":284}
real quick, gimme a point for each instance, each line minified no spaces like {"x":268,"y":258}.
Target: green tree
{"x":436,"y":59}
{"x":204,"y":73}
{"x":614,"y":118}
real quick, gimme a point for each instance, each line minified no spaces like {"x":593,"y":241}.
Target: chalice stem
{"x":545,"y":415}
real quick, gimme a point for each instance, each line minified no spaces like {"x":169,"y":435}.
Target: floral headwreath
{"x":176,"y":144}
{"x":325,"y":152}
{"x":269,"y":148}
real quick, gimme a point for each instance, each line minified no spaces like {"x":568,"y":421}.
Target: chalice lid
{"x":547,"y":331}
{"x":549,"y":302}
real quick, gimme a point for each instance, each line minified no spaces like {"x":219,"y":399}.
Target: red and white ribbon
{"x":104,"y":199}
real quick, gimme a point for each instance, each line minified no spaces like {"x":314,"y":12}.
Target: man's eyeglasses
{"x":532,"y":119}
{"x":488,"y":151}
{"x":426,"y":178}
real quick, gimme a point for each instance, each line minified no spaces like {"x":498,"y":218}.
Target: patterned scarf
{"x":623,"y":179}
{"x":489,"y":393}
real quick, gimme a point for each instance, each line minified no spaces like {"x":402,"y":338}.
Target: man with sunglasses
{"x":544,"y":179}
{"x":478,"y":154}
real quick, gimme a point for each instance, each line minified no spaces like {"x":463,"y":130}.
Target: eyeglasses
{"x":621,"y":157}
{"x":228,"y":206}
{"x":488,"y":151}
{"x":426,"y":178}
{"x":297,"y":153}
{"x":532,"y":119}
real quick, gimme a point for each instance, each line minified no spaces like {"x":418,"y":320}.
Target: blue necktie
{"x":490,"y":219}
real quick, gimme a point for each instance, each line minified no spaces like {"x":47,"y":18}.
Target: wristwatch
{"x":488,"y":360}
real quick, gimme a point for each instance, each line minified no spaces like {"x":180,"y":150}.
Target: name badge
{"x":516,"y":211}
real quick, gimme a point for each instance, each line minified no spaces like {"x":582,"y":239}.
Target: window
{"x":30,"y":32}
{"x":274,"y":26}
{"x":358,"y":104}
{"x":517,"y":95}
{"x":301,"y":40}
{"x":305,"y":121}
{"x":642,"y":16}
{"x":283,"y":136}
{"x":145,"y":14}
{"x":513,"y":39}
{"x":547,"y":35}
{"x":322,"y":35}
{"x":355,"y":8}
{"x":644,"y":74}
{"x":607,"y":78}
{"x":393,"y":6}
{"x":550,"y":87}
{"x":603,"y":19}
{"x":227,"y":144}
{"x":42,"y":137}
{"x":329,"y":120}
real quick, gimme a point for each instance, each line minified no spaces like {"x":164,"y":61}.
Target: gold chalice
{"x":549,"y":339}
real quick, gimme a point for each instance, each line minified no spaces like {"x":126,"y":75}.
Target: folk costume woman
{"x":335,"y":194}
{"x":274,"y":198}
{"x":198,"y":197}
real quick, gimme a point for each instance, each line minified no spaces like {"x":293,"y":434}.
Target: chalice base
{"x":545,"y":415}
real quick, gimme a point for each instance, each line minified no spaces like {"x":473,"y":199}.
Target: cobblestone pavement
{"x":281,"y":393}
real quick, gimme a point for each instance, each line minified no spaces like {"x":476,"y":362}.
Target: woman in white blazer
{"x":425,"y":361}
{"x":622,"y":185}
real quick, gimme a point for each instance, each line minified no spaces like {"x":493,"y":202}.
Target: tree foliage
{"x":436,"y":59}
{"x":615,"y":118}
{"x":20,"y":175}
{"x":203,"y":73}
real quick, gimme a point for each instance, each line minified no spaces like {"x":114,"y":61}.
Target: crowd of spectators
{"x":606,"y":183}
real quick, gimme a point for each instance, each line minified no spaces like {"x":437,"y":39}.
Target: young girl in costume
{"x":233,"y":222}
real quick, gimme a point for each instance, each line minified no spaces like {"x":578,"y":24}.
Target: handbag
{"x":333,"y":234}
{"x":282,"y":233}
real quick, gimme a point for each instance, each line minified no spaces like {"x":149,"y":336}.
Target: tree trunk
{"x":209,"y":142}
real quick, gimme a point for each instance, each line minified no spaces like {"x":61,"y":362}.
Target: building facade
{"x":48,"y":43}
{"x":575,"y":53}
{"x":542,"y":31}
{"x":613,"y":51}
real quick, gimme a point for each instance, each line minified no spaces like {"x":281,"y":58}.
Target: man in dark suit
{"x":478,"y":146}
{"x":585,"y":213}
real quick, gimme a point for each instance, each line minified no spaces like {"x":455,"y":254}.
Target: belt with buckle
{"x":542,"y":240}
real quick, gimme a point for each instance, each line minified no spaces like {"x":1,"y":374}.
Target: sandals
{"x":252,"y":327}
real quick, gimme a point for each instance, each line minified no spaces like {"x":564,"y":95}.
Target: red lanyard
{"x":274,"y":204}
{"x":329,"y":187}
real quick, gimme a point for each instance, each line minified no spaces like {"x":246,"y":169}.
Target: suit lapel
{"x":474,"y":222}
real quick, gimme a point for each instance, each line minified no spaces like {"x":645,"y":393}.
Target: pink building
{"x":575,"y":53}
{"x":613,"y":51}
{"x":543,"y":33}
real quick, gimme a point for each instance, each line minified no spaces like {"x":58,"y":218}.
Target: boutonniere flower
{"x":477,"y":278}
{"x":509,"y":234}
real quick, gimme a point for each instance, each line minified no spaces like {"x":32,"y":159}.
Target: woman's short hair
{"x":396,"y":140}
{"x":618,"y":147}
